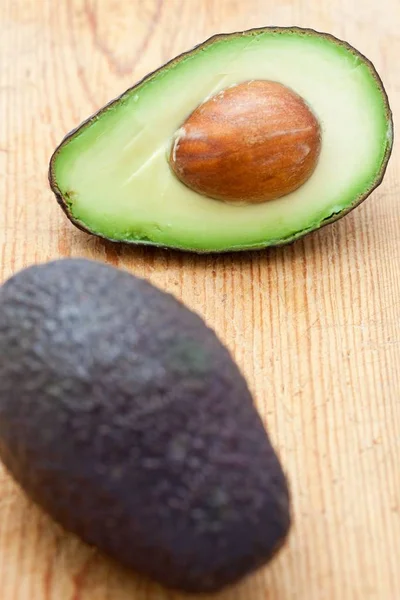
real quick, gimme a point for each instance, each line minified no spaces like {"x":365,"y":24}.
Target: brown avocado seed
{"x":252,"y":142}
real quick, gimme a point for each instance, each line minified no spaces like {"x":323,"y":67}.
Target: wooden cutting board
{"x":315,"y":326}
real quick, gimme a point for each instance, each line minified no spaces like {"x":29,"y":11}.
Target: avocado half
{"x":112,"y":175}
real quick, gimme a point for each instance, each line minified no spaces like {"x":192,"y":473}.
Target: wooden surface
{"x":315,"y":327}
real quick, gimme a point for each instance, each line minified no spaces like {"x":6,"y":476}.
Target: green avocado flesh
{"x":113,"y":178}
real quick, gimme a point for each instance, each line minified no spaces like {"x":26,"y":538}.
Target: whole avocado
{"x":123,"y":416}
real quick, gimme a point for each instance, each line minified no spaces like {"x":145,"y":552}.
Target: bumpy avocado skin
{"x":124,"y":417}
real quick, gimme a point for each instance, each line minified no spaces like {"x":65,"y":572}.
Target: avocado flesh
{"x":113,"y":178}
{"x":125,"y":418}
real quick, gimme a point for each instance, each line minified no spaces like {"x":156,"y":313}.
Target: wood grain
{"x":315,"y":326}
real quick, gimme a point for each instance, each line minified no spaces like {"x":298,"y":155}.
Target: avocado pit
{"x":250,"y":143}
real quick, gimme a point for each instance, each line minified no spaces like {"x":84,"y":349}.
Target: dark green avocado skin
{"x":123,"y":416}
